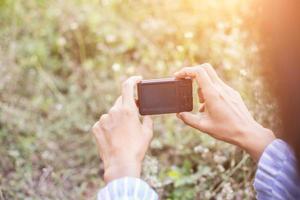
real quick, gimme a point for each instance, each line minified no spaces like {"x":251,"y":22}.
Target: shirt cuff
{"x":128,"y":188}
{"x":269,"y":166}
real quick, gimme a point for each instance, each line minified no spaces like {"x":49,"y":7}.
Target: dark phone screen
{"x":162,"y":96}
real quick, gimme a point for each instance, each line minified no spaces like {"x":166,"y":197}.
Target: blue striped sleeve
{"x":276,"y":176}
{"x":127,"y":188}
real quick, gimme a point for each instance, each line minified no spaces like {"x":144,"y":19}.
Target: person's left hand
{"x":122,"y":139}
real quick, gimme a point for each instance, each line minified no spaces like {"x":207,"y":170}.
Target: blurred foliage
{"x":61,"y":65}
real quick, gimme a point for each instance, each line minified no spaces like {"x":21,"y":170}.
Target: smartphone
{"x":162,"y":96}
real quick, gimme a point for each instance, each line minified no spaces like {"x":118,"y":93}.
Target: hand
{"x":223,"y":114}
{"x":122,"y":139}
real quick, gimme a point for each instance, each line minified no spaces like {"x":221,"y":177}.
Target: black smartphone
{"x":167,"y":95}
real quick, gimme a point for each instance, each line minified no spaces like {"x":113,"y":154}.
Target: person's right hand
{"x":121,"y":137}
{"x":223,"y":114}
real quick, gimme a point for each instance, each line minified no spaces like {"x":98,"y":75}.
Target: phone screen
{"x":162,"y":96}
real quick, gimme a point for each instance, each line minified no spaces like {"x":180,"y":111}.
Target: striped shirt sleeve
{"x":127,"y":188}
{"x":276,"y":176}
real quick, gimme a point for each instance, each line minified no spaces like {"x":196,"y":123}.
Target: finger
{"x":214,"y":76}
{"x":113,"y":111}
{"x":198,"y":73}
{"x":202,"y":107}
{"x":97,"y":131}
{"x":148,"y":126}
{"x":192,"y":120}
{"x":103,"y":119}
{"x":96,"y":128}
{"x":128,"y":90}
{"x":200,"y":95}
{"x":212,"y":73}
{"x":100,"y":138}
{"x":118,"y":102}
{"x":189,"y":119}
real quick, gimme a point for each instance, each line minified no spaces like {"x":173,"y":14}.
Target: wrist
{"x":254,"y":139}
{"x":122,"y":169}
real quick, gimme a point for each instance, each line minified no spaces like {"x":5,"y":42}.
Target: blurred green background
{"x":61,"y":66}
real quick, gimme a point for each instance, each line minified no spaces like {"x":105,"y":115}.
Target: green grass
{"x":61,"y":66}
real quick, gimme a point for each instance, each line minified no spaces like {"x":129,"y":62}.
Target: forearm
{"x":254,"y":139}
{"x":119,"y":170}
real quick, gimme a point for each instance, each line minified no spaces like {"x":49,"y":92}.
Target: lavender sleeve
{"x":127,"y":188}
{"x":276,"y":176}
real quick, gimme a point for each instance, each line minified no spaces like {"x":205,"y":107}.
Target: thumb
{"x":192,"y":120}
{"x":148,"y":125}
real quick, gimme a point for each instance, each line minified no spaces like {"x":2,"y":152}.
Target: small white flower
{"x":179,"y":48}
{"x":116,"y":67}
{"x":73,"y":25}
{"x":188,"y":35}
{"x":61,"y":41}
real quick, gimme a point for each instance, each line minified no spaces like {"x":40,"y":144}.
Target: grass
{"x":61,"y":65}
